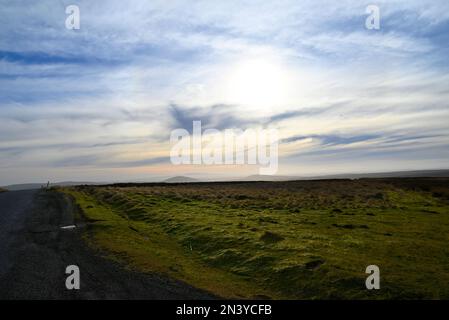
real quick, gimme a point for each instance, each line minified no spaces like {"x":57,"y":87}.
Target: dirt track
{"x":35,"y":251}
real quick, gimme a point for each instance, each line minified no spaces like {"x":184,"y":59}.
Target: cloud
{"x":218,"y":117}
{"x":109,"y":94}
{"x":332,"y":140}
{"x":100,"y":161}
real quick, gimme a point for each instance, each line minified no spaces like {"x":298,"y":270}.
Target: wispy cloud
{"x":108,"y":95}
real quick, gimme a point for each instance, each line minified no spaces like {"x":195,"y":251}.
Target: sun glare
{"x":257,"y":82}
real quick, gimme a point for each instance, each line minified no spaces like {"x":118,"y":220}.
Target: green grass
{"x":296,"y":240}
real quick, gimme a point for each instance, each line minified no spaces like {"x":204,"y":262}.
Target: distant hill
{"x":23,"y":186}
{"x":31,"y":186}
{"x":180,"y":179}
{"x":394,"y":174}
{"x":184,"y":179}
{"x":260,"y":177}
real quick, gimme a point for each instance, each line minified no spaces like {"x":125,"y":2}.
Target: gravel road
{"x":35,"y":251}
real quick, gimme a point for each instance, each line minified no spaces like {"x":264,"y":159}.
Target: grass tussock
{"x":302,"y":239}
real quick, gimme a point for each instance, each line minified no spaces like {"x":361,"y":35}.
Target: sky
{"x":99,"y":103}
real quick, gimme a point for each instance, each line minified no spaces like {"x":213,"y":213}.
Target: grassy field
{"x":294,"y":240}
{"x":2,"y":190}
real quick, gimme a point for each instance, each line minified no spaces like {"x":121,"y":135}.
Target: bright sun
{"x":258,"y":83}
